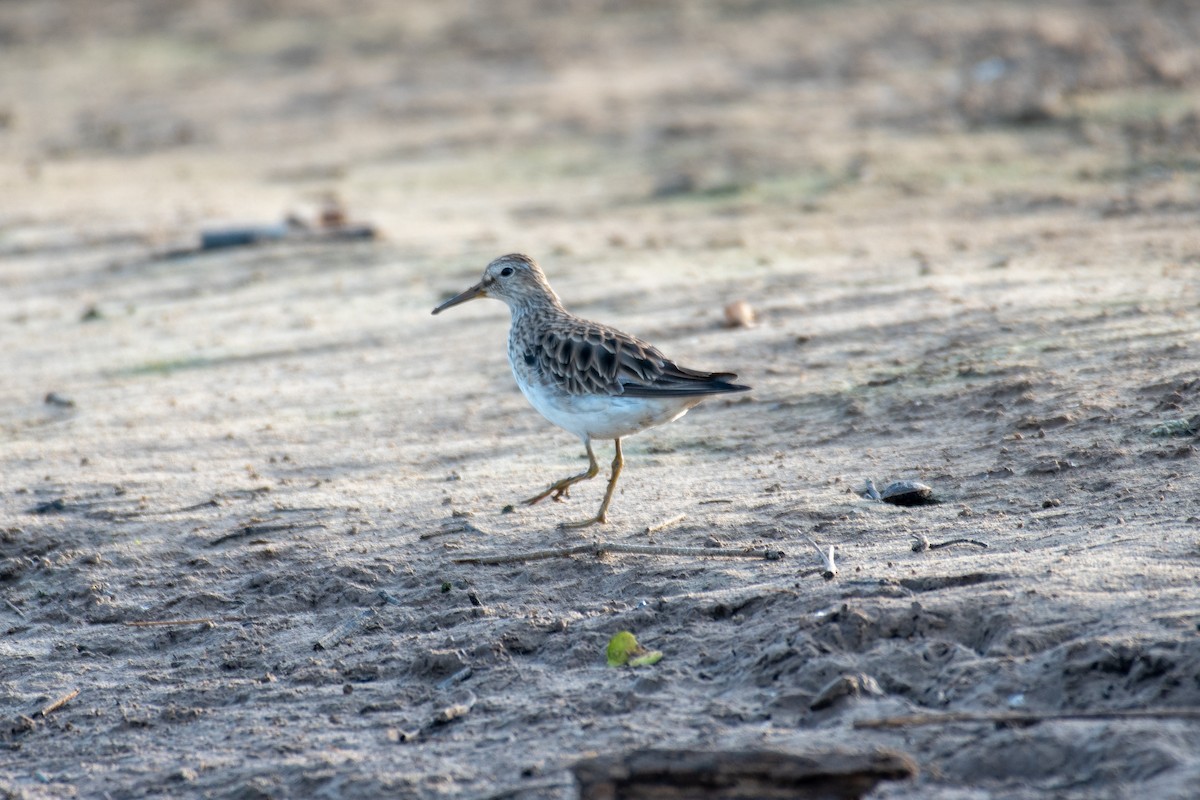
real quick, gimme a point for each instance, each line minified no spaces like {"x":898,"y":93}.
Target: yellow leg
{"x":601,"y":518}
{"x":562,"y":488}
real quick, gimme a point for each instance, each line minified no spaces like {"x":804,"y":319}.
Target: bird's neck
{"x":549,"y":305}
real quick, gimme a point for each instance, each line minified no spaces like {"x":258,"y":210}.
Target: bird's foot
{"x":540,"y":496}
{"x":557,"y":491}
{"x":599,"y":519}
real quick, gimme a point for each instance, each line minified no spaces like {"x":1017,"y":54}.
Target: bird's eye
{"x":504,"y":273}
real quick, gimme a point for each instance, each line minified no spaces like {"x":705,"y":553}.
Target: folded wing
{"x":599,"y":360}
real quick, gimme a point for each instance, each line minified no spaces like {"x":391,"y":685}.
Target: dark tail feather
{"x":683,"y":382}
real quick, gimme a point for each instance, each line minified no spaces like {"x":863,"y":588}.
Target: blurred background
{"x":577,"y":127}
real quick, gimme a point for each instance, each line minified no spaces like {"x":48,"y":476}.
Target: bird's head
{"x":516,"y":279}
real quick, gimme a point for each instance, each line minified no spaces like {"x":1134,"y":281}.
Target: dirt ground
{"x":970,"y":234}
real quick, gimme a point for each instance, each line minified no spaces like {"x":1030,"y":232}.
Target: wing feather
{"x":594,"y":359}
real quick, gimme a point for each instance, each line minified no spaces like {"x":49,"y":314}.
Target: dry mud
{"x":970,"y":235}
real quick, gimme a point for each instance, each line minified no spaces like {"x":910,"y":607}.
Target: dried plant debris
{"x":1177,"y":427}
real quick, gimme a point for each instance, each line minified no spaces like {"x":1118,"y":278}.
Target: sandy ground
{"x":969,"y":232}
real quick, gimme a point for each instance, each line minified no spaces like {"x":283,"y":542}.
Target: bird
{"x":587,"y":378}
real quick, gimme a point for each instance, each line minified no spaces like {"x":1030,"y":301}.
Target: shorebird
{"x":587,"y":378}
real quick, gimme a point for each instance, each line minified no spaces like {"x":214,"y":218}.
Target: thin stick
{"x":457,"y":677}
{"x":269,"y":526}
{"x":666,"y":523}
{"x":343,"y":630}
{"x":59,"y":703}
{"x":15,"y":610}
{"x":533,"y":555}
{"x":211,"y":502}
{"x":1025,"y":717}
{"x":152,"y":623}
{"x":600,"y":548}
{"x":921,"y":543}
{"x":719,"y":552}
{"x":443,"y":532}
{"x":975,"y":542}
{"x":452,"y":526}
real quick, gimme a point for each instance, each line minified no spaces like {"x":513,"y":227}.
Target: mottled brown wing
{"x":599,"y":360}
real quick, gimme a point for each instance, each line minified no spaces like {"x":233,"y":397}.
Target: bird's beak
{"x":478,"y":290}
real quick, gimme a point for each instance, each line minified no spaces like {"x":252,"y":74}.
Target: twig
{"x":600,"y":548}
{"x":666,"y":523}
{"x":59,"y":703}
{"x":921,"y":543}
{"x":266,"y":527}
{"x":831,"y":569}
{"x":446,"y":531}
{"x":1025,"y":717}
{"x":15,"y":610}
{"x":975,"y":542}
{"x":452,"y":526}
{"x":457,"y":677}
{"x":343,"y":630}
{"x":154,"y":623}
{"x":212,"y":502}
{"x":533,"y":555}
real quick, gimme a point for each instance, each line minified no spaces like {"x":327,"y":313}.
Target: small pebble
{"x":857,"y":684}
{"x":740,"y":314}
{"x":56,"y":399}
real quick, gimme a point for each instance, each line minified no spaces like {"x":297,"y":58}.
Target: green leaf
{"x":623,"y":649}
{"x":652,"y":657}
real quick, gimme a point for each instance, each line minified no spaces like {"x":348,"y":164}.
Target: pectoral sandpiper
{"x":587,"y":378}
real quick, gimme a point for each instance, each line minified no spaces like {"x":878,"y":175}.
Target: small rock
{"x":855,"y":684}
{"x":50,"y":506}
{"x":901,"y":493}
{"x":740,"y":314}
{"x":451,"y":713}
{"x":56,"y":399}
{"x":908,"y":493}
